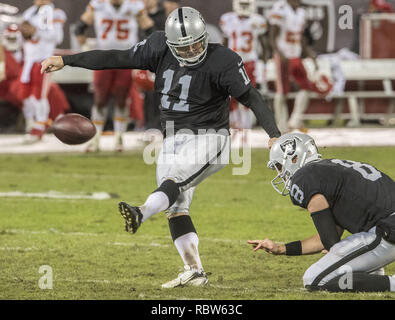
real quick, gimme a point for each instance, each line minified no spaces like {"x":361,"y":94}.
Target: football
{"x":73,"y":128}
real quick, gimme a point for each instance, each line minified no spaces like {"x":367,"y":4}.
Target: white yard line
{"x":57,"y":195}
{"x":327,"y":137}
{"x":6,"y":248}
{"x":117,"y":243}
{"x":133,"y":244}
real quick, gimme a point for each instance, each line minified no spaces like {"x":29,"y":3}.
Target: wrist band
{"x":293,"y":248}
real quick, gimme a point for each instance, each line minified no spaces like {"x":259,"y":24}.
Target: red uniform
{"x":9,"y":86}
{"x":293,"y":69}
{"x":38,"y":85}
{"x":10,"y":89}
{"x":107,"y":82}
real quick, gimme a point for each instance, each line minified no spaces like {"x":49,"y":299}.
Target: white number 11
{"x":185,"y":82}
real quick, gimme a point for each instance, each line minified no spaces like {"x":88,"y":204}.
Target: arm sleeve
{"x":325,"y":224}
{"x":253,"y":100}
{"x":100,"y":60}
{"x":144,"y":55}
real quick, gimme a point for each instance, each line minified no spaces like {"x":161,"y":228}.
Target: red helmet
{"x":144,"y":79}
{"x":12,"y":38}
{"x":382,"y":5}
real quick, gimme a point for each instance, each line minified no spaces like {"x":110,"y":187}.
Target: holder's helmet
{"x":288,"y":154}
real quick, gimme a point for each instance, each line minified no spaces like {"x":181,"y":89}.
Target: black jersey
{"x":358,"y":194}
{"x":194,"y":98}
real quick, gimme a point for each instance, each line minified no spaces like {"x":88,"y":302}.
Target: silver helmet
{"x":288,"y":154}
{"x":186,"y":35}
{"x":244,"y":7}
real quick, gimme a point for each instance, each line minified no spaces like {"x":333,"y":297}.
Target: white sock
{"x":247,"y":117}
{"x":281,"y":111}
{"x":120,"y":119}
{"x":392,"y":283}
{"x":28,"y":113}
{"x":187,"y":246}
{"x":98,"y":118}
{"x":156,"y":202}
{"x":41,"y":111}
{"x":301,"y":104}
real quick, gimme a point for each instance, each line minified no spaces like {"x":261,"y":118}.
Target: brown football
{"x":73,"y":128}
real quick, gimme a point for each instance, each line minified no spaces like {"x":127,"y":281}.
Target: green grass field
{"x":93,"y":258}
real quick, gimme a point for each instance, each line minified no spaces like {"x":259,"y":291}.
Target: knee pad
{"x":181,"y":225}
{"x":171,"y":189}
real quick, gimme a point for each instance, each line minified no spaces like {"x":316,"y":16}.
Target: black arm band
{"x":254,"y":100}
{"x":326,"y":227}
{"x":293,"y":248}
{"x":80,"y":28}
{"x":100,"y":59}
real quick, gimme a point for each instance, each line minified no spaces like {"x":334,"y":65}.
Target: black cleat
{"x":132,"y":216}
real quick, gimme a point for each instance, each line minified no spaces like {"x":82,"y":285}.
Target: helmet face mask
{"x":287,"y":155}
{"x":186,"y":35}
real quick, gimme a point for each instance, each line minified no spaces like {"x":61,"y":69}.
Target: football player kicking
{"x":340,"y":195}
{"x":195,"y":80}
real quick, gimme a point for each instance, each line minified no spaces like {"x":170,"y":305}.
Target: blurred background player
{"x":11,"y":55}
{"x":244,"y":30}
{"x":287,"y":23}
{"x":116,"y":28}
{"x":42,"y":30}
{"x":10,"y":64}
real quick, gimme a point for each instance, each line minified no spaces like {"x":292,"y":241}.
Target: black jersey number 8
{"x":297,"y":193}
{"x":185,"y":82}
{"x":367,"y":171}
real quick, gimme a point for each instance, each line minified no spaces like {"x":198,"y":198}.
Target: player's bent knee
{"x":181,"y":225}
{"x":171,"y":189}
{"x":310,"y":275}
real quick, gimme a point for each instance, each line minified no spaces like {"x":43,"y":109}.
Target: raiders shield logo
{"x":288,"y":147}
